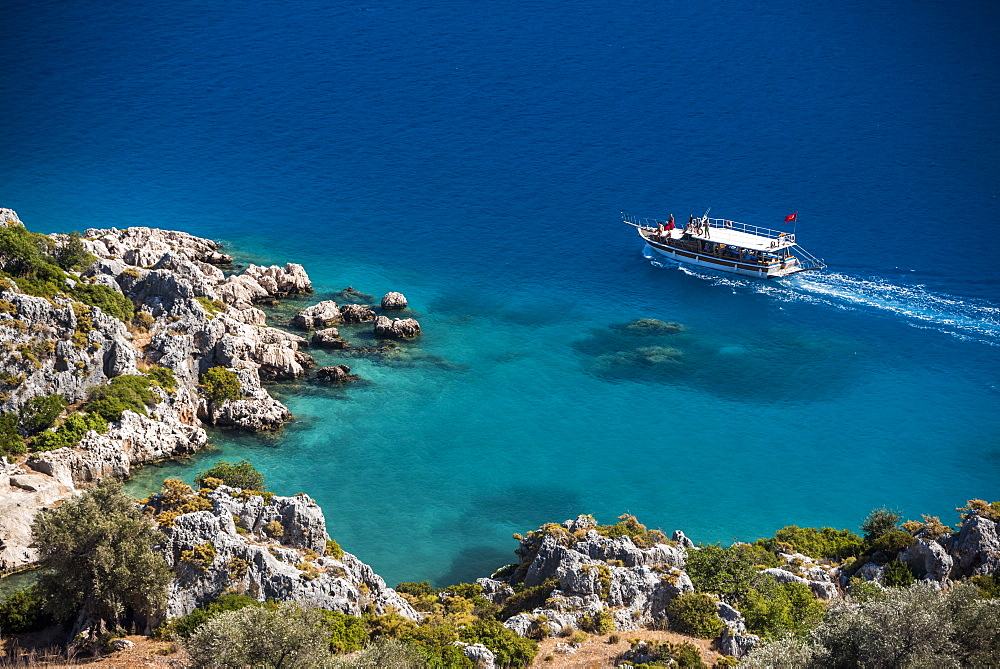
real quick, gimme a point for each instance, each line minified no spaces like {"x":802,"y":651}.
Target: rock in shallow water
{"x":394,"y":300}
{"x":400,"y":328}
{"x":318,"y":315}
{"x":337,"y":374}
{"x":329,"y":338}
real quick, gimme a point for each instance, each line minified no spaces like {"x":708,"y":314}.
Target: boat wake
{"x":964,"y":318}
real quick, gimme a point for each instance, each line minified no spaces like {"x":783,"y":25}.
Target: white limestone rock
{"x":265,"y":563}
{"x":397,"y":328}
{"x":393,"y":300}
{"x":319,"y":315}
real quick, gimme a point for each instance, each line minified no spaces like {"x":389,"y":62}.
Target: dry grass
{"x":146,"y":652}
{"x":596,"y":652}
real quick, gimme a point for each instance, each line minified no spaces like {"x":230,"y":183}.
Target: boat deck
{"x":732,"y":237}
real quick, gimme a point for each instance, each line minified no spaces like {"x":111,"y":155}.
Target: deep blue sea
{"x":476,"y":157}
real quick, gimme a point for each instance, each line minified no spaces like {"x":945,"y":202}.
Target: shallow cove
{"x":769,"y":407}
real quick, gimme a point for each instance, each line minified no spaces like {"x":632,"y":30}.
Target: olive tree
{"x":100,"y":570}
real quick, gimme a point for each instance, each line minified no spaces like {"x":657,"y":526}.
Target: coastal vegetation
{"x":221,"y":384}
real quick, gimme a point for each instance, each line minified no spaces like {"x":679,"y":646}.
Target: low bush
{"x":23,"y":611}
{"x":163,"y":377}
{"x":898,"y":574}
{"x":221,"y":384}
{"x":908,"y":627}
{"x":11,"y":442}
{"x":824,"y":542}
{"x":240,"y":474}
{"x":777,"y":609}
{"x":185,"y":626}
{"x":629,"y":526}
{"x":880,"y":521}
{"x":347,"y":633}
{"x":695,"y":614}
{"x":420,"y":589}
{"x":511,"y":649}
{"x":127,"y":392}
{"x":599,"y":622}
{"x":107,"y":299}
{"x":528,"y":599}
{"x":40,"y":413}
{"x":69,"y":434}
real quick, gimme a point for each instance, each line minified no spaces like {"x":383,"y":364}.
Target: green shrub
{"x":241,"y":475}
{"x":163,"y":377}
{"x":464,"y":590}
{"x":729,"y":572}
{"x":629,"y":526}
{"x":23,"y":611}
{"x":897,"y":574}
{"x":528,"y":599}
{"x":420,"y":589}
{"x":893,"y":542}
{"x":107,"y":299}
{"x":72,"y":254}
{"x":334,"y":550}
{"x":695,"y":614}
{"x":11,"y":442}
{"x":185,"y":626}
{"x":909,"y":627}
{"x":69,"y":434}
{"x":221,"y":384}
{"x":599,"y":622}
{"x":777,"y":609}
{"x":880,"y":521}
{"x":29,"y":258}
{"x":40,"y":413}
{"x":823,"y":542}
{"x":347,"y":633}
{"x":683,"y":655}
{"x":988,"y":584}
{"x":511,"y":649}
{"x":258,"y":636}
{"x":126,"y":392}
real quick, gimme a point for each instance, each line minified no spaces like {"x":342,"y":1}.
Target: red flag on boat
{"x":791,"y":217}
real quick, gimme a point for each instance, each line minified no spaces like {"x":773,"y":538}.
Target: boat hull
{"x":774,"y":271}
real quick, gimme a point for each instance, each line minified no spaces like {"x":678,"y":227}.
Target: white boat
{"x":728,"y":246}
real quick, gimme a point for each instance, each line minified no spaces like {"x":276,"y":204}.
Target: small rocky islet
{"x":183,"y":313}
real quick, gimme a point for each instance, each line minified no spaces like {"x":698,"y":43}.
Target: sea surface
{"x":476,"y":157}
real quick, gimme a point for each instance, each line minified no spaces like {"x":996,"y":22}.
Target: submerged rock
{"x":337,"y":374}
{"x":351,"y":296}
{"x":653,"y":326}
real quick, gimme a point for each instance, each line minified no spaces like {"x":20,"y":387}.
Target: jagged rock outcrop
{"x":190,"y":318}
{"x":595,"y":574}
{"x":322,"y":314}
{"x":734,"y":640}
{"x":399,"y":328}
{"x":329,"y":338}
{"x":393,"y":300}
{"x":975,"y":549}
{"x":481,"y":656}
{"x":267,"y":548}
{"x":57,"y":346}
{"x":822,"y":579}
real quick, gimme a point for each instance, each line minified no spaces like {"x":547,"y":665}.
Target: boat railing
{"x":807,"y":260}
{"x":767,"y":233}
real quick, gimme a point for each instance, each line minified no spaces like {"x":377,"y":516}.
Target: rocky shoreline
{"x":193,"y":312}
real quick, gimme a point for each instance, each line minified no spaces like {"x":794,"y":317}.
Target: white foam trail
{"x":967,"y":319}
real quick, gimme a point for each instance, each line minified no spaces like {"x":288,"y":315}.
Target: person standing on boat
{"x":707,"y":226}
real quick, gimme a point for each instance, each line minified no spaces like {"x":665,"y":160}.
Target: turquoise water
{"x":476,"y":158}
